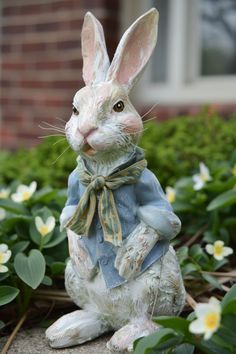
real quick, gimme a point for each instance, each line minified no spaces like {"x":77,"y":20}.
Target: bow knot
{"x":97,"y":182}
{"x":82,"y":219}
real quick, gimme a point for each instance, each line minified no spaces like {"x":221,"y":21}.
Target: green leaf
{"x":30,"y":269}
{"x":19,"y":247}
{"x":57,"y":238}
{"x":44,"y":195}
{"x":212,"y":280}
{"x":208,"y":346}
{"x":189,"y":268}
{"x":13,"y":207}
{"x":226,"y":335}
{"x":13,"y":220}
{"x":2,"y":324}
{"x":229,"y":321}
{"x":231,"y":295}
{"x":3,"y":276}
{"x":225,"y":199}
{"x":183,"y":349}
{"x":7,"y":294}
{"x":58,"y":268}
{"x":181,"y":206}
{"x":178,"y":324}
{"x":153,"y":340}
{"x":230,"y":307}
{"x":34,"y":234}
{"x":47,"y":281}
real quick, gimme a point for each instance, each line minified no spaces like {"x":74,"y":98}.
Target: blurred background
{"x":194,"y":63}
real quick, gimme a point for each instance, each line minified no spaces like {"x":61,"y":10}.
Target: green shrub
{"x":39,"y":163}
{"x":173,"y":149}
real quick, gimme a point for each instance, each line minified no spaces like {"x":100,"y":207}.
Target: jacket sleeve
{"x":153,"y":207}
{"x":72,"y":198}
{"x":73,"y":189}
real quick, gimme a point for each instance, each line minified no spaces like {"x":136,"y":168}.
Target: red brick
{"x":34,"y":82}
{"x":67,"y":44}
{"x":13,"y":65}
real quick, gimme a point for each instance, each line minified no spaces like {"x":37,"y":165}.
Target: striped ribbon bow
{"x":107,"y":212}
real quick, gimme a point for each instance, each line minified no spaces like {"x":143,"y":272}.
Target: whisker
{"x":58,"y":141}
{"x":145,"y":114}
{"x":60,"y":155}
{"x":47,"y":128}
{"x":47,"y":136}
{"x":148,"y":120}
{"x":53,"y":126}
{"x":62,"y":120}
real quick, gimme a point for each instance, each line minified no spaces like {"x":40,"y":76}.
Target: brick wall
{"x":41,"y":62}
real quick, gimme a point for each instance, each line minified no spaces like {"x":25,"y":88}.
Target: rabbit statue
{"x":122,"y":268}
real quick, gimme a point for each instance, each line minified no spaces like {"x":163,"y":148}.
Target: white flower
{"x":201,"y":178}
{"x":5,"y":255}
{"x":218,"y":250}
{"x":45,"y":228}
{"x":170,"y":194}
{"x":2,"y":214}
{"x":4,"y":193}
{"x":24,"y":192}
{"x":208,"y":318}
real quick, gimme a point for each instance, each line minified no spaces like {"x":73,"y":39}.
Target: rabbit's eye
{"x":75,"y":110}
{"x":119,"y":106}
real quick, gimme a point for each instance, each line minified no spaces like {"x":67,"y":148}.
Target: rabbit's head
{"x":103,"y":119}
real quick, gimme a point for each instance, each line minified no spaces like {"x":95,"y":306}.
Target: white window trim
{"x":184,"y":85}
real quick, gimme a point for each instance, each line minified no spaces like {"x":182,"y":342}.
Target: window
{"x":195,"y":58}
{"x":218,"y":37}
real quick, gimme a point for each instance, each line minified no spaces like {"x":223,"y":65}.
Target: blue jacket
{"x":144,"y":200}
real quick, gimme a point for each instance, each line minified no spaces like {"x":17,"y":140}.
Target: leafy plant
{"x":175,"y":336}
{"x":33,"y":251}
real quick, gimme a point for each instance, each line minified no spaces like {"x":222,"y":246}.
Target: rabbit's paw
{"x":122,"y":340}
{"x":75,"y":328}
{"x":136,"y":247}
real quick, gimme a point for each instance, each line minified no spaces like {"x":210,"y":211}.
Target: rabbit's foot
{"x":75,"y":328}
{"x":122,"y":340}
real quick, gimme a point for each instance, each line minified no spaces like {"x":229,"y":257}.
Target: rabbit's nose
{"x":85,"y":133}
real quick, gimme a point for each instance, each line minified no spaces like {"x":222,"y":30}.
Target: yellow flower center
{"x":171,"y":197}
{"x":1,"y":257}
{"x":26,"y":195}
{"x":43,"y":230}
{"x":218,"y":249}
{"x":204,"y":177}
{"x":212,"y":321}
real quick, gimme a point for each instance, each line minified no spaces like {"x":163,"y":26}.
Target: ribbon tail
{"x":109,"y":218}
{"x":83,"y":216}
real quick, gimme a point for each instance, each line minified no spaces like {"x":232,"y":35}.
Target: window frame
{"x":184,"y":84}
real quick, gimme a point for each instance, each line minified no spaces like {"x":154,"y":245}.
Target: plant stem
{"x":221,"y":274}
{"x":13,"y":334}
{"x":191,"y":301}
{"x":26,"y":297}
{"x":196,"y":235}
{"x":53,"y":298}
{"x":51,"y":292}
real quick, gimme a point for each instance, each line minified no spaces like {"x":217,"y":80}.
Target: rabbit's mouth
{"x":88,"y":150}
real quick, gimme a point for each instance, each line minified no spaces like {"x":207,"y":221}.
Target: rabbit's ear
{"x":94,"y":52}
{"x":134,"y":50}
